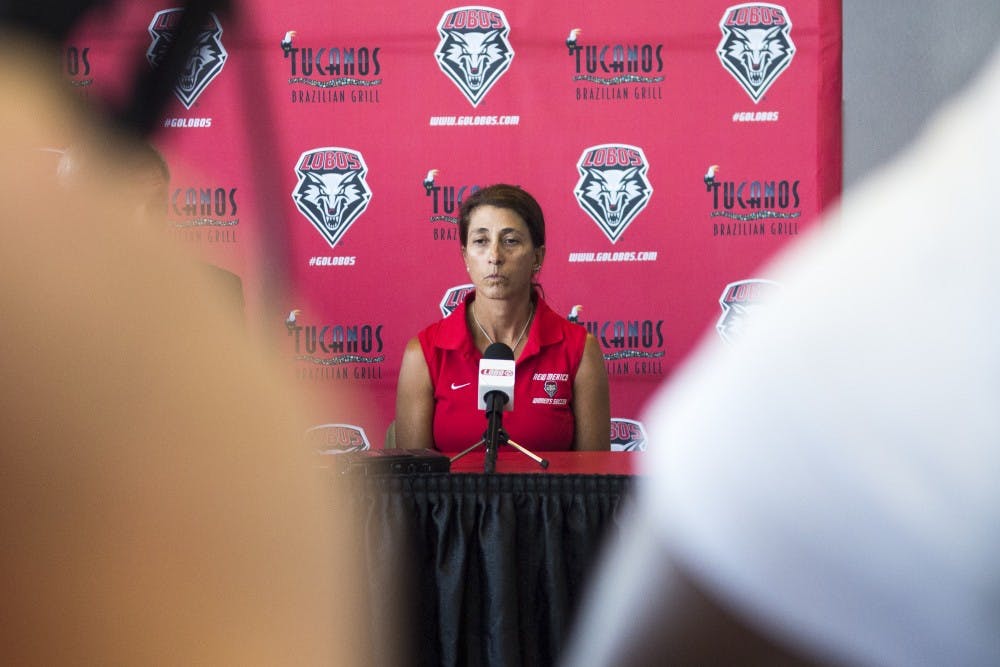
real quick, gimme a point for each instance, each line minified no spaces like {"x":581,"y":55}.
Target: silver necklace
{"x":517,"y":342}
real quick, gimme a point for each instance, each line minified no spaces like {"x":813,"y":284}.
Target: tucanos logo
{"x":631,"y":347}
{"x":76,"y":63}
{"x":474,"y":51}
{"x":328,"y":72}
{"x":627,"y":435}
{"x":337,"y":438}
{"x":453,"y":297}
{"x":203,"y":206}
{"x":332,"y":192}
{"x":446,"y":200}
{"x":756,"y":206}
{"x":613,"y":187}
{"x":739,"y":301}
{"x":206,"y":59}
{"x":429,"y":181}
{"x":336,"y":350}
{"x":618,"y":71}
{"x":756,"y":45}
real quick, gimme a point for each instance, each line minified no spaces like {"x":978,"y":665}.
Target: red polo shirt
{"x":542,"y":418}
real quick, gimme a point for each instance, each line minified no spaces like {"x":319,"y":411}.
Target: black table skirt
{"x":475,"y":569}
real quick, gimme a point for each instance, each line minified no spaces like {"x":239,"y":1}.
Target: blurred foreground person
{"x":156,"y":503}
{"x":141,"y":194}
{"x":827,"y":491}
{"x":139,"y":168}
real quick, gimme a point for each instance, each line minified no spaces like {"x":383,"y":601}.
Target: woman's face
{"x":500,"y":255}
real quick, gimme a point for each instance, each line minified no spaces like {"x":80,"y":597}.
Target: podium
{"x":490,"y":569}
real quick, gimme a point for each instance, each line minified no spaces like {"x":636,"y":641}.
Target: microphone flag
{"x":496,"y":374}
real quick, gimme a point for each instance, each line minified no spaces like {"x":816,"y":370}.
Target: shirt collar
{"x":544,"y":330}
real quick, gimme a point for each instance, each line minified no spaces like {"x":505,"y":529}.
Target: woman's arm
{"x":414,"y":401}
{"x":591,"y":401}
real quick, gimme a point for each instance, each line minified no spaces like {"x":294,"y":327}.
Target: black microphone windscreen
{"x":499,"y":351}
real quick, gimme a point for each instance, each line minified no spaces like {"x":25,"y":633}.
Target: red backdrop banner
{"x":320,"y":152}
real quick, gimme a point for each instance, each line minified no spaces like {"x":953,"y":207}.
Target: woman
{"x":561,"y":392}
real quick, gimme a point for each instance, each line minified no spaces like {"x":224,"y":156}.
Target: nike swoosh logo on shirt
{"x":459,"y":386}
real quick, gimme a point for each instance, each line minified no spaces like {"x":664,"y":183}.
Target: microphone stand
{"x":495,"y":401}
{"x":495,"y":435}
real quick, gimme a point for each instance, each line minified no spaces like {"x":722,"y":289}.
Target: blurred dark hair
{"x":52,"y":20}
{"x":506,"y":196}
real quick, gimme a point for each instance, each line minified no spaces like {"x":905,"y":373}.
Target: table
{"x":571,"y":463}
{"x":488,"y":569}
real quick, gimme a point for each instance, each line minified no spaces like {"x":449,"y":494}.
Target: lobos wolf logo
{"x":332,"y":192}
{"x":204,"y":63}
{"x":337,"y":438}
{"x":627,"y":435}
{"x":453,"y":297}
{"x":474,"y":50}
{"x":613,"y":187}
{"x":756,"y":45}
{"x":739,"y":301}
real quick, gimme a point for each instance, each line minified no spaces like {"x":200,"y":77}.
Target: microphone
{"x":496,"y":378}
{"x":496,"y":394}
